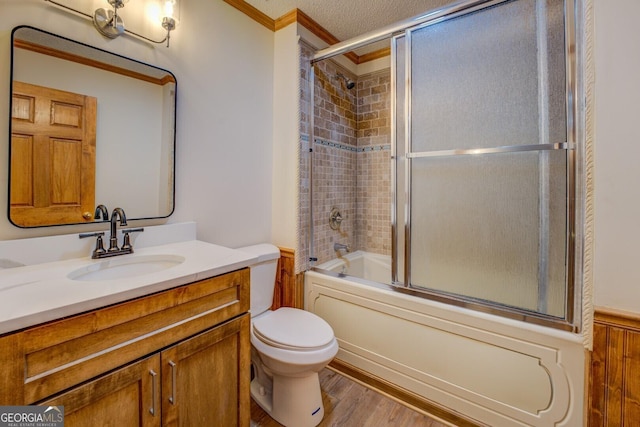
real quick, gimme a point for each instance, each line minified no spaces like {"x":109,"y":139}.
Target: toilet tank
{"x":263,"y":276}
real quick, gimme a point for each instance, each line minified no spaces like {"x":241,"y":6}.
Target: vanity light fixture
{"x":168,"y":23}
{"x":110,"y":24}
{"x":107,"y":22}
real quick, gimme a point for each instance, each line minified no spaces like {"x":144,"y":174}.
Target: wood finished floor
{"x":349,"y":404}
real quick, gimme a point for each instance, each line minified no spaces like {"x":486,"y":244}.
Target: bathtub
{"x":493,"y":370}
{"x":359,"y":264}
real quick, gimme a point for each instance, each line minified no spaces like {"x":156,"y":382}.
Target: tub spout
{"x":339,"y":247}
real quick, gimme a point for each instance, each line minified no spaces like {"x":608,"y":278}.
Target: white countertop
{"x":40,"y":293}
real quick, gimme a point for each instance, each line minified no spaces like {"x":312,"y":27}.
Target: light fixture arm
{"x":169,"y":24}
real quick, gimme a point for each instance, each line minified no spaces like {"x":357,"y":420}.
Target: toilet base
{"x":293,"y":401}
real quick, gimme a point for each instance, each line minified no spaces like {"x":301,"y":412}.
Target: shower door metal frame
{"x":574,"y":145}
{"x":570,"y":321}
{"x":311,"y":258}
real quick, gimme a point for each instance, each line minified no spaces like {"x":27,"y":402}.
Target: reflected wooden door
{"x":53,"y":156}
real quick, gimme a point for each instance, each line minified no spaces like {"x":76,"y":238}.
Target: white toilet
{"x":288,"y":348}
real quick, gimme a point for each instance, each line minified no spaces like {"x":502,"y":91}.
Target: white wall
{"x":225,"y":123}
{"x":223,"y":62}
{"x":617,"y":153}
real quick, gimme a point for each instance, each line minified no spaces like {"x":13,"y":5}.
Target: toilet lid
{"x":293,"y":328}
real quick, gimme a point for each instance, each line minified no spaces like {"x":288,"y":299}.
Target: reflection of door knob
{"x":86,"y":215}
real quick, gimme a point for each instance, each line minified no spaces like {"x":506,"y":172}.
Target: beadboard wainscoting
{"x":289,"y":290}
{"x":614,"y":398}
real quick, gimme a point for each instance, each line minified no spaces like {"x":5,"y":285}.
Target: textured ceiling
{"x":349,"y":18}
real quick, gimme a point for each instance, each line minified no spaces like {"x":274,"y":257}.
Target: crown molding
{"x":298,"y":16}
{"x":253,"y":13}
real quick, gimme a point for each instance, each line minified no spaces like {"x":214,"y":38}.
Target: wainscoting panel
{"x":614,"y":398}
{"x":289,"y":291}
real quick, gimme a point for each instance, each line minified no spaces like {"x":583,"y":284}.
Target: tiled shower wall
{"x":351,"y":160}
{"x":334,"y":159}
{"x":373,"y":192}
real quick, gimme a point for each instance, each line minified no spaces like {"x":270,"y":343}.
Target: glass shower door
{"x":482,"y":159}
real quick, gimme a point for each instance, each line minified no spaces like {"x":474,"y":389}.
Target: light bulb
{"x":168,"y":8}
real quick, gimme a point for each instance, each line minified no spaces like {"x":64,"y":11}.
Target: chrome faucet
{"x":339,"y":247}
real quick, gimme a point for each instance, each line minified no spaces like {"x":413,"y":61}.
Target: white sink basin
{"x":125,"y":266}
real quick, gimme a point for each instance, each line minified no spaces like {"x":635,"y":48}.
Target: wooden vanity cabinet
{"x":206,"y":378}
{"x":176,"y":358}
{"x":127,"y":397}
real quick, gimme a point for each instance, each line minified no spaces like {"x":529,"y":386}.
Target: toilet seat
{"x":293,"y":329}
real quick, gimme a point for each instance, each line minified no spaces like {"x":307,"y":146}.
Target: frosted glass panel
{"x":476,"y":229}
{"x":487,"y":227}
{"x":484,"y":80}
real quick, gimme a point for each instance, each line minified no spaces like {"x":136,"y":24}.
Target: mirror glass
{"x":88,"y":128}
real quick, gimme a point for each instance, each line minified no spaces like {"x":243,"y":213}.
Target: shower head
{"x":347,"y":81}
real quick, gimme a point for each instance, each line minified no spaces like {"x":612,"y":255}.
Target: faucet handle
{"x":99,"y":249}
{"x":96,"y":234}
{"x":126,"y":243}
{"x":133,"y":230}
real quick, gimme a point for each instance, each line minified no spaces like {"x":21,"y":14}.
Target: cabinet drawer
{"x":58,"y":355}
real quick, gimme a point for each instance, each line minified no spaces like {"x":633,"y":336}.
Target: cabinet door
{"x":205,"y":379}
{"x":129,"y":396}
